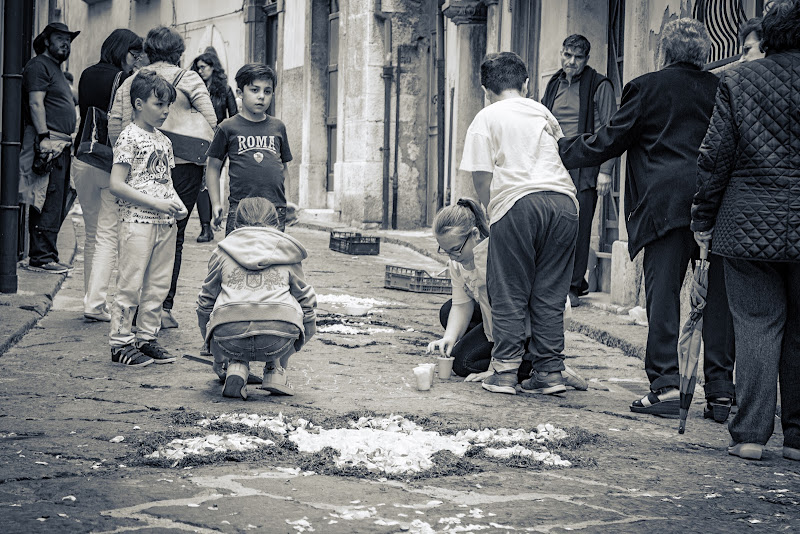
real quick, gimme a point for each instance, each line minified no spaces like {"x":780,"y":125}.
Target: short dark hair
{"x":148,"y":82}
{"x":782,"y":26}
{"x":164,"y":44}
{"x":578,"y":42}
{"x":503,"y":70}
{"x":118,"y":44}
{"x":255,"y":71}
{"x":752,"y":25}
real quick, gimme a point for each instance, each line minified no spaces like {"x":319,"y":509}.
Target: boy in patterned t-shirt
{"x":148,"y":208}
{"x":256,"y":145}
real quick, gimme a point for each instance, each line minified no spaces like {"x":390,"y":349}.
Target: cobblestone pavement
{"x":64,"y":467}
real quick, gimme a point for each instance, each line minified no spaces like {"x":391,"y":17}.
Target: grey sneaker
{"x":544,"y":383}
{"x":156,"y":351}
{"x":573,"y":379}
{"x":53,"y":267}
{"x":501,"y":383}
{"x":98,"y":316}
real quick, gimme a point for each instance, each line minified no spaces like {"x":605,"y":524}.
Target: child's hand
{"x":444,"y":345}
{"x":181,"y":212}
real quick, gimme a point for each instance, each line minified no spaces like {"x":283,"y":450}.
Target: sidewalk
{"x":21,"y":311}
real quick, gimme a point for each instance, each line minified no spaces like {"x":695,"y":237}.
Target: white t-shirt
{"x":471,"y":285}
{"x":515,"y":140}
{"x":150,"y":156}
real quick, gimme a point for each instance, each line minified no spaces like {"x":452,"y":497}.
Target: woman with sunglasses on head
{"x":462,"y":232}
{"x":121,"y":53}
{"x":208,"y":66}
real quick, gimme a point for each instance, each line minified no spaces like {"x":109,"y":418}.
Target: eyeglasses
{"x":136,"y":55}
{"x":457,"y":252}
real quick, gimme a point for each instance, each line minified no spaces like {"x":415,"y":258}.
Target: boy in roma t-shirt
{"x":256,"y":145}
{"x":511,"y":151}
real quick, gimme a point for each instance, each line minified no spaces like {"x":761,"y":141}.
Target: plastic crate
{"x":416,"y":280}
{"x":355,"y":243}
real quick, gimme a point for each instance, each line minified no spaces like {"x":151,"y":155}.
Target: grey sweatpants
{"x":531,"y":254}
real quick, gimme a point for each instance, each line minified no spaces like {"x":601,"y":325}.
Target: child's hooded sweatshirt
{"x":255,"y":274}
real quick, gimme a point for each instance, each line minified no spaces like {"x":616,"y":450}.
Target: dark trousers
{"x":187,"y":179}
{"x":588,"y":202}
{"x":665,"y":263}
{"x":44,"y":225}
{"x":765,"y":304}
{"x":204,"y":207}
{"x":473,"y":352}
{"x":530,"y":260}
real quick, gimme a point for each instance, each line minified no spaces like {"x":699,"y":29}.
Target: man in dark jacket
{"x":582,"y":100}
{"x":748,"y":194}
{"x":661,"y":122}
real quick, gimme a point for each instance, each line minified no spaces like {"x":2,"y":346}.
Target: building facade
{"x":377,"y":95}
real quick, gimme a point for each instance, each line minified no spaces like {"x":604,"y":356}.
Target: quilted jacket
{"x":748,"y":183}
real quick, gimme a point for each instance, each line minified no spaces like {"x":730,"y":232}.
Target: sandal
{"x":664,"y":402}
{"x":718,"y":409}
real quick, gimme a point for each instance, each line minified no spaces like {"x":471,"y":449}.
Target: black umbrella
{"x":692,"y":337}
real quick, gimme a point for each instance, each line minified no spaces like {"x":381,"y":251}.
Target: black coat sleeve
{"x":611,"y":140}
{"x":715,"y":162}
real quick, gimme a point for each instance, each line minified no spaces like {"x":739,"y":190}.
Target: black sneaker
{"x":157,"y":352}
{"x":49,"y":267}
{"x":129,"y":355}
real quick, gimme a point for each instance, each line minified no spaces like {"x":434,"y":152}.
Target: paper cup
{"x":444,"y":367}
{"x":431,"y":369}
{"x":423,"y":376}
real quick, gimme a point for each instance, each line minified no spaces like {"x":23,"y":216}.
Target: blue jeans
{"x":765,"y":303}
{"x":531,"y":255}
{"x":263,"y":341}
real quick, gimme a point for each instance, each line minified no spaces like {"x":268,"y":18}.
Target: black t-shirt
{"x":43,"y":73}
{"x":257,"y":152}
{"x":94,"y":89}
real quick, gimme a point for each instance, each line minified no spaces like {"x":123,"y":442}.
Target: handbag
{"x":94,"y":147}
{"x":191,"y":148}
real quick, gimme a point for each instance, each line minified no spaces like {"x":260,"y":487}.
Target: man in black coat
{"x":582,"y":100}
{"x":661,"y":122}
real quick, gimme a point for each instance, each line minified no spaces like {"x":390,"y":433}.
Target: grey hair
{"x":684,"y":41}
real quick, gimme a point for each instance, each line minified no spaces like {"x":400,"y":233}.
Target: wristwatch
{"x":43,"y":135}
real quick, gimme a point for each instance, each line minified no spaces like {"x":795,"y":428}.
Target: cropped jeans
{"x":100,"y":210}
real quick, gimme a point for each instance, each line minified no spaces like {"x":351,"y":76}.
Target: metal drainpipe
{"x":11,"y":142}
{"x":387,"y":106}
{"x":395,"y":177}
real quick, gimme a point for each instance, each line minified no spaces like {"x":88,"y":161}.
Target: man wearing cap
{"x":49,"y":117}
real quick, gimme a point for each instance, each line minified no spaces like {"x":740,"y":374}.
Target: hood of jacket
{"x":256,"y":248}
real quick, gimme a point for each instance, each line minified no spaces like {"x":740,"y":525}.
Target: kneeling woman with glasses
{"x":462,"y":232}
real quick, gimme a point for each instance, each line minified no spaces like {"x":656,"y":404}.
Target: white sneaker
{"x":573,"y":379}
{"x":276,"y":382}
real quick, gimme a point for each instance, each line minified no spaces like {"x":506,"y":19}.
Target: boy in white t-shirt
{"x":511,"y":150}
{"x":148,"y":208}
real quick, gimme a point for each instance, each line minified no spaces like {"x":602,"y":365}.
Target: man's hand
{"x":444,"y":346}
{"x":48,"y":146}
{"x":216,"y":215}
{"x":603,"y":184}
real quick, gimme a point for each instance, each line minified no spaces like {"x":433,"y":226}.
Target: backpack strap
{"x":178,"y":78}
{"x":114,"y":88}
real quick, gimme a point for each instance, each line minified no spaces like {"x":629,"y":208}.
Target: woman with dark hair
{"x":120,"y":54}
{"x":747,"y":206}
{"x":207,"y":65}
{"x":164,"y":47}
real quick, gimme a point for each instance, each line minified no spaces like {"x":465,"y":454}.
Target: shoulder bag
{"x":184,"y":118}
{"x":94,"y":147}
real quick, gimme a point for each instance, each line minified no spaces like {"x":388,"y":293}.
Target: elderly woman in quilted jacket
{"x":748,"y":205}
